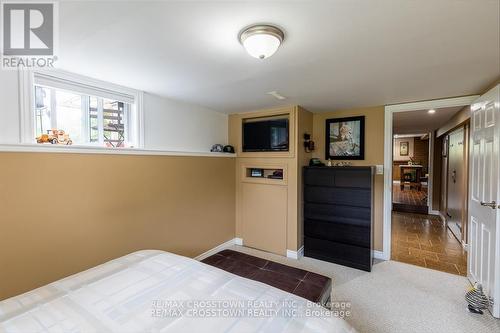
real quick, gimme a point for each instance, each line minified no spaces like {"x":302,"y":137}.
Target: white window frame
{"x":27,"y":104}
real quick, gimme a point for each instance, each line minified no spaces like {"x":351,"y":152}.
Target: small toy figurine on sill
{"x":55,"y":137}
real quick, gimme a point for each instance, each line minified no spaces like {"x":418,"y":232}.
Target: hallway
{"x":424,"y":241}
{"x":409,"y":200}
{"x":409,"y":196}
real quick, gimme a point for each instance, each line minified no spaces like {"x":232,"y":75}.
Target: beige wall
{"x":374,"y":152}
{"x":63,"y":213}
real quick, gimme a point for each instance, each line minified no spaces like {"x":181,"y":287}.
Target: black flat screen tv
{"x":270,"y":134}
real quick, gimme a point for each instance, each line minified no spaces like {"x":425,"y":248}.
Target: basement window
{"x":72,"y":110}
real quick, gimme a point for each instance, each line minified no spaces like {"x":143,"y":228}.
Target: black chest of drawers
{"x":338,"y":215}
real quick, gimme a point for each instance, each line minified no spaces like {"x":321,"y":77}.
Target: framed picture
{"x":345,"y":138}
{"x":404,"y":148}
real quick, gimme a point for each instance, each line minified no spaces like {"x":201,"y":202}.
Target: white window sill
{"x":46,"y":148}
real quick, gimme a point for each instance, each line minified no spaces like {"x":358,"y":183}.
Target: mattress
{"x":156,"y":291}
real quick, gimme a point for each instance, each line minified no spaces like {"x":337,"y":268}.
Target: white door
{"x":484,"y":217}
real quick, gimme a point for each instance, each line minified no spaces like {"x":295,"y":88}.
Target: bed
{"x":156,"y":291}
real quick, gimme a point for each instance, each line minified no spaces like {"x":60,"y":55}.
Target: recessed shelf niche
{"x":265,"y":174}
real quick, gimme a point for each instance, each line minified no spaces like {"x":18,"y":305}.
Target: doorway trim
{"x":388,"y":137}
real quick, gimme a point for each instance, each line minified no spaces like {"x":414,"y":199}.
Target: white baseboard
{"x":289,"y":253}
{"x":239,"y":241}
{"x":380,"y":255}
{"x":295,"y":254}
{"x":218,"y":248}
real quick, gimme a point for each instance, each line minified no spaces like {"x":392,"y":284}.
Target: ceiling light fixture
{"x":431,"y":111}
{"x":276,"y":95}
{"x":261,"y":41}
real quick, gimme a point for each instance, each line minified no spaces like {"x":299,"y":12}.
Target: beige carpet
{"x":397,"y":297}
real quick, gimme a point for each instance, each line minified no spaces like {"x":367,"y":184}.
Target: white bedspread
{"x":155,"y":291}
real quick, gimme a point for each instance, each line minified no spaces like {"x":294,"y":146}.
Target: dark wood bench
{"x":314,"y":287}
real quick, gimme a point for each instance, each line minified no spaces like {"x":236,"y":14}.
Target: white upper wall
{"x":173,"y":125}
{"x":9,"y":107}
{"x":168,"y":125}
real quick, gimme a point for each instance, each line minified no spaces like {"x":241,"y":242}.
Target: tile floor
{"x":409,"y":196}
{"x":424,"y":241}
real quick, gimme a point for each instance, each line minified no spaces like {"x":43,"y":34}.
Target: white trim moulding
{"x":379,"y":255}
{"x":388,"y":144}
{"x":47,"y":148}
{"x":216,"y":249}
{"x":295,"y":254}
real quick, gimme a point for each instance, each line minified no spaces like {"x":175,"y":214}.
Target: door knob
{"x":492,"y":205}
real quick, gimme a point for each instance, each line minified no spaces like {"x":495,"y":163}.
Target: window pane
{"x":114,"y":123}
{"x":69,"y":114}
{"x":42,"y":110}
{"x":85,"y":119}
{"x":93,"y":121}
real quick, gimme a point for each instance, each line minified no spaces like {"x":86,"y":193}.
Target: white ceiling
{"x":336,"y":54}
{"x":418,"y":122}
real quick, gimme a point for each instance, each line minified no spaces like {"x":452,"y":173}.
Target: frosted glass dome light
{"x":261,"y":41}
